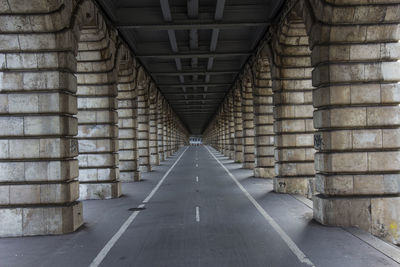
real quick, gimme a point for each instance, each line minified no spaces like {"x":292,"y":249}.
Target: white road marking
{"x":197,"y":214}
{"x":103,"y":253}
{"x":197,"y":165}
{"x":289,"y":242}
{"x":197,"y":178}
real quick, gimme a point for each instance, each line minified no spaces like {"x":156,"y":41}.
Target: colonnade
{"x":316,"y":109}
{"x":78,"y":115}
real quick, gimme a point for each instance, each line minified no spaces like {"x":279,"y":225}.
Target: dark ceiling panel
{"x":193,"y":52}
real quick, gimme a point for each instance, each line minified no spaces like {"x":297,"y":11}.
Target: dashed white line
{"x":197,"y":178}
{"x":289,"y":242}
{"x":197,"y":165}
{"x":103,"y":253}
{"x":197,"y":214}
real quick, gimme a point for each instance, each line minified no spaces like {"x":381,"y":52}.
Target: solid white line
{"x":103,"y":253}
{"x":289,"y":242}
{"x":197,"y":214}
{"x":197,"y":178}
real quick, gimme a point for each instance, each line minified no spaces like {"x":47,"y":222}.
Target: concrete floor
{"x":207,"y":221}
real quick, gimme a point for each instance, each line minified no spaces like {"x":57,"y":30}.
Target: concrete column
{"x":293,"y":110}
{"x":221,"y":138}
{"x":231,"y":128}
{"x":173,"y":135}
{"x":127,"y":123}
{"x":165,"y":130}
{"x":225,"y":121}
{"x":143,"y":121}
{"x":248,"y":125}
{"x":153,"y":146}
{"x":160,"y":127}
{"x":38,"y":166}
{"x":357,"y":99}
{"x":97,"y":114}
{"x":238,"y":142}
{"x":264,"y":121}
{"x":169,"y":125}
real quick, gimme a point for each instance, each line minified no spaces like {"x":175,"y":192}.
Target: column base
{"x":295,"y":185}
{"x":129,"y":176}
{"x":40,"y":220}
{"x":248,"y":165}
{"x":377,"y":215}
{"x":238,"y":157}
{"x":260,"y":172}
{"x":154,"y":160}
{"x":102,"y":190}
{"x":145,"y":168}
{"x":137,"y":177}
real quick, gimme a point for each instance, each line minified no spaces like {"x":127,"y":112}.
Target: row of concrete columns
{"x":78,"y":115}
{"x":317,"y":110}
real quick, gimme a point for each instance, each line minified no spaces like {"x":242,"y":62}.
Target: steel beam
{"x":193,"y":25}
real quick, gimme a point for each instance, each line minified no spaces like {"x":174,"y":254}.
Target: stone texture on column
{"x":153,"y":146}
{"x":172,"y":134}
{"x":127,"y":123}
{"x":248,"y":124}
{"x":293,"y":110}
{"x":38,"y":166}
{"x":97,"y":115}
{"x":220,"y":133}
{"x":165,"y":130}
{"x":225,"y":128}
{"x":357,"y":99}
{"x":160,"y":127}
{"x":143,"y":121}
{"x":231,"y":128}
{"x":238,"y":143}
{"x":264,"y":121}
{"x":169,"y":129}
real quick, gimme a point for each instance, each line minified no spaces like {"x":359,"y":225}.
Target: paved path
{"x":199,"y":215}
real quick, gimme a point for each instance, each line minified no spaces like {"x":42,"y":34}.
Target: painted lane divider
{"x":103,"y":253}
{"x":289,"y":242}
{"x":197,"y":214}
{"x":197,"y":165}
{"x":197,"y":178}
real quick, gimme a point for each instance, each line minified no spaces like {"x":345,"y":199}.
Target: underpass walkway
{"x":197,"y":209}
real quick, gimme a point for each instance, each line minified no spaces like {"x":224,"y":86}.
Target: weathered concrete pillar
{"x":238,"y":125}
{"x":173,"y":135}
{"x":357,"y":99}
{"x":97,"y":115}
{"x":153,"y":146}
{"x":127,"y":123}
{"x":293,"y":110}
{"x":221,"y":136}
{"x":225,"y":127}
{"x":160,"y":127}
{"x":38,"y":166}
{"x":143,"y":84}
{"x":264,"y":121}
{"x":169,"y":125}
{"x":248,"y":124}
{"x":165,"y":130}
{"x":231,"y":127}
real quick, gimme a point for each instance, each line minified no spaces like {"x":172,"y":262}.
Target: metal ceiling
{"x":193,"y":49}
